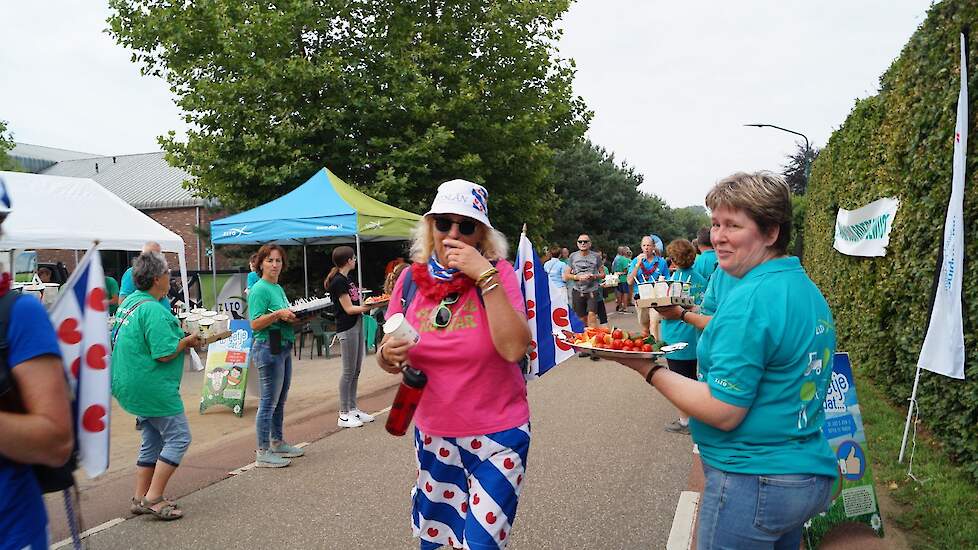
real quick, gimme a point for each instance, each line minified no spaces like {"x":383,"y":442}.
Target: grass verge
{"x":940,"y":511}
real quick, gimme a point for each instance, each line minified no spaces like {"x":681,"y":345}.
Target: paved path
{"x":602,"y":473}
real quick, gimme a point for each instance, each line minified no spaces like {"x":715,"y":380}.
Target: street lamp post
{"x":808,"y":149}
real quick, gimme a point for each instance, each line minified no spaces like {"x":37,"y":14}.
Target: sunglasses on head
{"x":443,"y":314}
{"x":444,"y":225}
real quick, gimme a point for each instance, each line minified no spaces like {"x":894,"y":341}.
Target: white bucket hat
{"x":463,"y":198}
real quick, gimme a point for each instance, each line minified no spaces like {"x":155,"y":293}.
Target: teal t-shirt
{"x":128,"y":287}
{"x":705,"y":263}
{"x":142,"y":385}
{"x":111,"y":291}
{"x":252,"y":278}
{"x":769,"y":349}
{"x":620,"y":265}
{"x":678,"y":331}
{"x":717,"y":288}
{"x":265,"y":297}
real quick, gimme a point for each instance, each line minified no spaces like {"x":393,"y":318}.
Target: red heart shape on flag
{"x":92,"y":419}
{"x":476,"y":444}
{"x":428,"y":487}
{"x":509,"y":464}
{"x":528,"y":270}
{"x":560,"y":317}
{"x":531,"y":310}
{"x":427,"y":440}
{"x":533,"y":356}
{"x":490,"y":518}
{"x":96,"y":299}
{"x":432,"y":532}
{"x":448,"y":494}
{"x":502,"y":535}
{"x":443,"y":452}
{"x":519,"y":479}
{"x":95,"y":357}
{"x":464,"y":507}
{"x":475,"y":499}
{"x":561,"y":344}
{"x":450,"y":543}
{"x":68,"y":331}
{"x":76,"y":367}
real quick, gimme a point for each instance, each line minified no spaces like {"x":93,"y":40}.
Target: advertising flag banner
{"x":856,"y":500}
{"x":865,"y":231}
{"x":943,"y":349}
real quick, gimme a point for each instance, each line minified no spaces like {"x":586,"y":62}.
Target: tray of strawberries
{"x":614,"y":343}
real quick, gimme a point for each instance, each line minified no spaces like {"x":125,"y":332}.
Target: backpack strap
{"x":118,"y":324}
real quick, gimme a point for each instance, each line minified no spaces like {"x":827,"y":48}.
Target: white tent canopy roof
{"x":72,"y":213}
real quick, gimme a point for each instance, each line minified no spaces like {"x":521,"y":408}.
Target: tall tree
{"x":599,"y":196}
{"x":394,"y":96}
{"x":6,"y":144}
{"x":794,"y":167}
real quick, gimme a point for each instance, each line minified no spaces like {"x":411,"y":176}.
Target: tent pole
{"x":214,"y":271}
{"x":305,"y":267}
{"x":76,"y":259}
{"x":359,"y":263}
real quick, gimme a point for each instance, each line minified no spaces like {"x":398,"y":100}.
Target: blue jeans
{"x":275,"y":373}
{"x":165,"y":438}
{"x":758,"y":511}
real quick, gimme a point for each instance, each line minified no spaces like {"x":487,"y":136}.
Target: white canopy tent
{"x":61,"y":213}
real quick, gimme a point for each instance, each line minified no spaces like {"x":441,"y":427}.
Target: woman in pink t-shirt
{"x":472,"y":430}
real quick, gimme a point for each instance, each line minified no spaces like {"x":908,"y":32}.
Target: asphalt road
{"x":602,"y":473}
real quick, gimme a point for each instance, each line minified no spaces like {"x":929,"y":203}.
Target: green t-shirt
{"x":142,"y":385}
{"x":620,"y":265}
{"x":769,"y":349}
{"x":678,"y":331}
{"x":265,"y":297}
{"x":111,"y":291}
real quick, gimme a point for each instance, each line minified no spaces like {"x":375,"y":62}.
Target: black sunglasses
{"x":583,"y":242}
{"x":443,"y":315}
{"x":444,"y":225}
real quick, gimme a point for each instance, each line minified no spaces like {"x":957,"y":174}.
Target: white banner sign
{"x":865,"y":231}
{"x":943,"y":349}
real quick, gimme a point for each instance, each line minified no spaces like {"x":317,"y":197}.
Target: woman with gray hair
{"x":765,"y":363}
{"x":147,"y":367}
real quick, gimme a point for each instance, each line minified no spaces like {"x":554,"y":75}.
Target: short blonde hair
{"x":493,"y":244}
{"x":764,"y":196}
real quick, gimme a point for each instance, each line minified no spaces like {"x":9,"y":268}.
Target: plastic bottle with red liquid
{"x":406,"y":401}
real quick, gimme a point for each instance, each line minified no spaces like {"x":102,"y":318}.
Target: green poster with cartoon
{"x":856,"y":500}
{"x":226,"y":371}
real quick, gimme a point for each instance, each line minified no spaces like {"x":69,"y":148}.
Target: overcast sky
{"x":670,"y":83}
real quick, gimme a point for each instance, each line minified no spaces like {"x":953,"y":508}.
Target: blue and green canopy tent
{"x":323,"y":210}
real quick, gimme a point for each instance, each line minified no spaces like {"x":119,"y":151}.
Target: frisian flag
{"x":547,"y":313}
{"x":81,"y":318}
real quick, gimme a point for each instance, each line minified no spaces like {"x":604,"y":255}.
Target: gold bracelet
{"x":484,"y":277}
{"x":486,"y":282}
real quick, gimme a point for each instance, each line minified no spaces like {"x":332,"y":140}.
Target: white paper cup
{"x":398,"y":327}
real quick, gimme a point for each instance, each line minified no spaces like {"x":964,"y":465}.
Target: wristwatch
{"x":682,"y":316}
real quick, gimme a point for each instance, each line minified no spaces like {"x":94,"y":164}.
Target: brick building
{"x":146,"y":182}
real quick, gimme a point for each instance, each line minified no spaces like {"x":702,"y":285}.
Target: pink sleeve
{"x":395,"y":304}
{"x":509,"y":282}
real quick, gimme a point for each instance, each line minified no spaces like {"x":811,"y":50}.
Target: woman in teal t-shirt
{"x":682,"y":254}
{"x":765,"y":363}
{"x":271,"y":321}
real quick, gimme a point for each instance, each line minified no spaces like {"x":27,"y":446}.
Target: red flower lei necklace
{"x":437,"y":290}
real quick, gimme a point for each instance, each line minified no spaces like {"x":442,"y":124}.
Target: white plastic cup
{"x":646,"y":291}
{"x":661,"y":288}
{"x":398,"y":327}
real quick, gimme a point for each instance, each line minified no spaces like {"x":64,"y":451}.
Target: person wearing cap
{"x":472,"y":431}
{"x":41,"y":435}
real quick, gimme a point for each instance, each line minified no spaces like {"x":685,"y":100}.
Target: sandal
{"x":168,"y":512}
{"x":136,"y":507}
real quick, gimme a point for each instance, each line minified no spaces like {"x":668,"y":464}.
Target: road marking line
{"x":681,"y":534}
{"x":381,"y":411}
{"x":301,"y":445}
{"x":97,"y":529}
{"x":243,"y":469}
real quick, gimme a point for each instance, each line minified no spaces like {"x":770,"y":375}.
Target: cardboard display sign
{"x":226,"y":372}
{"x":843,"y":428}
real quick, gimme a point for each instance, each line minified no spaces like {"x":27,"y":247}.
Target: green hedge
{"x":899,"y":143}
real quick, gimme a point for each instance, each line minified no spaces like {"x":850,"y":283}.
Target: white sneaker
{"x":362,"y":416}
{"x":348,"y":420}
